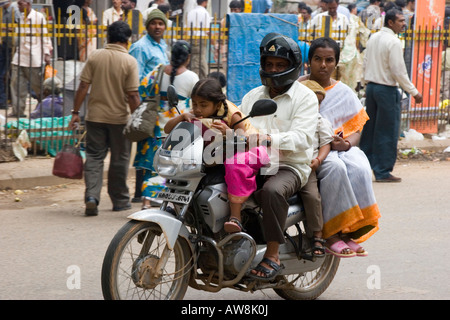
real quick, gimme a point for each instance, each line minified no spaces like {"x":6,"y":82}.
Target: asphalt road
{"x":51,"y":251}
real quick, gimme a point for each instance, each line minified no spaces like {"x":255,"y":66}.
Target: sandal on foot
{"x":338,"y":248}
{"x":233,"y":225}
{"x":355,"y":247}
{"x":269,"y":274}
{"x":315,"y":247}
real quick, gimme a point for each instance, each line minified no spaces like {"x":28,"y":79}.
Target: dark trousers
{"x":5,"y":62}
{"x":312,"y":202}
{"x":379,"y":137}
{"x":272,"y":198}
{"x":101,"y":138}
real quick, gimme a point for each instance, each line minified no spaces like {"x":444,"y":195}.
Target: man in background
{"x":33,"y":52}
{"x":384,"y":70}
{"x":114,"y":94}
{"x":199,"y":18}
{"x":10,"y":14}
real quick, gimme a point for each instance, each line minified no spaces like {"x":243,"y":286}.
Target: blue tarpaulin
{"x":245,"y":32}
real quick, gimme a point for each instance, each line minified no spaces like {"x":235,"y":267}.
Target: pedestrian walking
{"x":112,"y":75}
{"x":385,"y":70}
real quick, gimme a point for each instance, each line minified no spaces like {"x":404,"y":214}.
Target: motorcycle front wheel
{"x":310,"y":285}
{"x":129,"y":267}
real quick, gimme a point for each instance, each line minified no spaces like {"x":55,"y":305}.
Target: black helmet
{"x":277,"y":45}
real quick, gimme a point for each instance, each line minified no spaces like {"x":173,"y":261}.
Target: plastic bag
{"x":413,"y":135}
{"x":49,"y":72}
{"x":68,"y":163}
{"x":21,"y":145}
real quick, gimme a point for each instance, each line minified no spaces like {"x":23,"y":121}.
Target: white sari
{"x":348,"y":200}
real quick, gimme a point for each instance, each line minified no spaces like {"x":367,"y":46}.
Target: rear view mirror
{"x":263,"y":107}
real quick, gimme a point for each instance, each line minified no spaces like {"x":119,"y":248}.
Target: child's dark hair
{"x":219,"y":76}
{"x":180,"y":53}
{"x":210,"y":89}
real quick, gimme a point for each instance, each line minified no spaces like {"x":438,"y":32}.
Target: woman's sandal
{"x":269,"y":274}
{"x":338,"y":248}
{"x":233,"y":225}
{"x":315,"y":247}
{"x":355,"y":247}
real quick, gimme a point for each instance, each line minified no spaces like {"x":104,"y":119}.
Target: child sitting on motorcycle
{"x":310,"y":191}
{"x":211,"y":107}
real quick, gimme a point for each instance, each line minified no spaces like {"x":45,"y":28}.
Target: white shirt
{"x":198,"y":18}
{"x":292,"y":127}
{"x":188,"y":6}
{"x":33,"y":45}
{"x":110,"y":15}
{"x":384,"y":63}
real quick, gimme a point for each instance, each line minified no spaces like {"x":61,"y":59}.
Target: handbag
{"x":68,"y":162}
{"x":142,"y":121}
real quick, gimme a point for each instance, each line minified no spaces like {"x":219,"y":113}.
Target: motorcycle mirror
{"x":263,"y":107}
{"x":172,"y":97}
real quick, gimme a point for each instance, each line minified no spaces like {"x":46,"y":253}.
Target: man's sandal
{"x":269,"y":274}
{"x":233,"y":225}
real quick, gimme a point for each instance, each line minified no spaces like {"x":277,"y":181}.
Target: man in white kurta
{"x":33,"y":52}
{"x":198,"y":18}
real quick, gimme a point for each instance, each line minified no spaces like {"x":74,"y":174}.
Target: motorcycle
{"x":160,"y":252}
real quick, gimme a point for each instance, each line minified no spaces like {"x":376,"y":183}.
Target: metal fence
{"x":70,"y":49}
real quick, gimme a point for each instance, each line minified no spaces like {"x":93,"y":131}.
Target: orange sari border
{"x":355,"y":124}
{"x":353,"y":220}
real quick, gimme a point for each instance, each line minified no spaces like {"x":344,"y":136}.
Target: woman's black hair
{"x":180,"y":53}
{"x":211,"y":90}
{"x":119,"y":32}
{"x":324,"y":42}
{"x":80,"y":4}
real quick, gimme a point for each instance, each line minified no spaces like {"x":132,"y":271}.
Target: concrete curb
{"x":35,"y":171}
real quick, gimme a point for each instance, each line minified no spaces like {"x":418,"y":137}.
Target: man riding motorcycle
{"x":291,"y":130}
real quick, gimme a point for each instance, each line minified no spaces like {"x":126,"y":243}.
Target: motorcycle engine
{"x":236,"y":253}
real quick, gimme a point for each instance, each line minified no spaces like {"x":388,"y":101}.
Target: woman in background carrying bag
{"x":176,"y":74}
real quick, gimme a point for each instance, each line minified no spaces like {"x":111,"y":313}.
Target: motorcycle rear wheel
{"x":310,"y":285}
{"x":128,"y":271}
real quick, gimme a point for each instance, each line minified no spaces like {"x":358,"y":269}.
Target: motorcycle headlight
{"x":165,"y":166}
{"x":166,"y":170}
{"x":190,"y":166}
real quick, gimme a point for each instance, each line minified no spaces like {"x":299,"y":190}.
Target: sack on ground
{"x":68,"y":163}
{"x":141,"y":124}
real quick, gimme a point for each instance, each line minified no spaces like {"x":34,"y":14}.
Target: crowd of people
{"x":310,"y":145}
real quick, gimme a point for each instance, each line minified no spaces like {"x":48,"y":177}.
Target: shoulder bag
{"x":141,"y":124}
